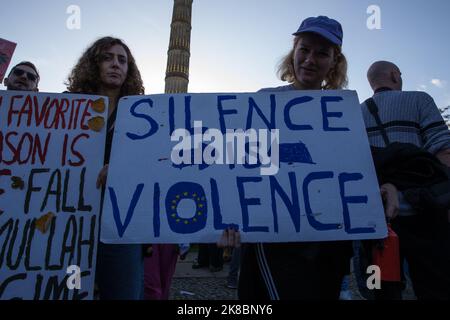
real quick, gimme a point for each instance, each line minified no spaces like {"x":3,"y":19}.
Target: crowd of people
{"x":272,"y":271}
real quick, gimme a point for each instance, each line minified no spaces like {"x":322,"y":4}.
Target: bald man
{"x":407,"y":116}
{"x":413,"y":117}
{"x":384,"y":74}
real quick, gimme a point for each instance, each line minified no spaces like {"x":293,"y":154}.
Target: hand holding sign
{"x":101,"y":179}
{"x":390,"y":198}
{"x":230,"y":238}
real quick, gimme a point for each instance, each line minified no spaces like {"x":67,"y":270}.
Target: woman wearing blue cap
{"x":312,"y":270}
{"x":316,"y":60}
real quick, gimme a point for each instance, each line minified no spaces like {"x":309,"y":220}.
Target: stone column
{"x":177,"y":73}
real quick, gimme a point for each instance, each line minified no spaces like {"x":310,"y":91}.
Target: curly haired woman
{"x":108,"y":68}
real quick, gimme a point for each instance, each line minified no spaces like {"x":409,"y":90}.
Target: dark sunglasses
{"x":20,"y":72}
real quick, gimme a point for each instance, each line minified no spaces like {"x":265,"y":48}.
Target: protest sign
{"x":281,"y":167}
{"x":51,"y":151}
{"x":6,"y":51}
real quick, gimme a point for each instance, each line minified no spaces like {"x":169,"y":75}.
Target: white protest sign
{"x":51,"y":151}
{"x":171,"y":185}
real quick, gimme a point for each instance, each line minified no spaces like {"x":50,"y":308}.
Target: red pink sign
{"x":6,"y":51}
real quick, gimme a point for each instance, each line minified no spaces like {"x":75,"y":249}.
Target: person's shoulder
{"x":421,"y":98}
{"x":411,"y":94}
{"x":419,"y":94}
{"x":288,"y":87}
{"x":363,"y":104}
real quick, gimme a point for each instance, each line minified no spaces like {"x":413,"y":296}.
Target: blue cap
{"x":328,"y":28}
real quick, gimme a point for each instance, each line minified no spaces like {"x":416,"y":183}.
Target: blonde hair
{"x":335,"y":79}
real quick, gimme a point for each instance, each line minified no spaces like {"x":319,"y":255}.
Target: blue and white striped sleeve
{"x":434,"y":131}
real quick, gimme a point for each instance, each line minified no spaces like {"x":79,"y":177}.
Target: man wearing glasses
{"x":23,"y":77}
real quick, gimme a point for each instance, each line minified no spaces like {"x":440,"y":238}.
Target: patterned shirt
{"x":407,"y":116}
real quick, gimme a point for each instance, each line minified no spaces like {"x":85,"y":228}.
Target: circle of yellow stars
{"x":199,"y":206}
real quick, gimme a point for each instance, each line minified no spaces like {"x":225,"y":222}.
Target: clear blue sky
{"x":236,"y":44}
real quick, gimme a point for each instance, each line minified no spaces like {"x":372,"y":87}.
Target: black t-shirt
{"x":109,"y":135}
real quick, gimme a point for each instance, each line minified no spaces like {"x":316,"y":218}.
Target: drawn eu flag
{"x":295,"y":152}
